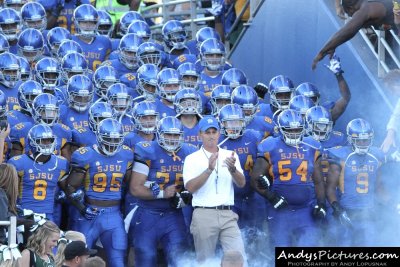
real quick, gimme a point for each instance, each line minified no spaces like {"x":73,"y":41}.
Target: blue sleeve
{"x":143,"y":152}
{"x":265,"y":146}
{"x":80,"y":157}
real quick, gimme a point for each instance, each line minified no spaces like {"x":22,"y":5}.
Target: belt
{"x":221,"y":207}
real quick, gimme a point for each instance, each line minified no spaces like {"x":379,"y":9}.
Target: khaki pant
{"x":208,"y":225}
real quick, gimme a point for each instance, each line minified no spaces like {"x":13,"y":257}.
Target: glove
{"x":319,"y":211}
{"x":186,"y":197}
{"x":78,"y":195}
{"x":177,"y":201}
{"x":341,"y":214}
{"x":278,"y":202}
{"x":335,"y":66}
{"x":261,"y":89}
{"x":60,"y":197}
{"x":263,"y":182}
{"x":89,"y":212}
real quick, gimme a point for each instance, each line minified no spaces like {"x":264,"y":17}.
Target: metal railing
{"x":384,"y":51}
{"x":12,"y":229}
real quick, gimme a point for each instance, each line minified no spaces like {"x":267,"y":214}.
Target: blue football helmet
{"x":103,"y":78}
{"x":27,"y":92}
{"x":86,"y":20}
{"x":291,"y":126}
{"x":220,"y":96}
{"x":34,"y":16}
{"x":246,"y":97}
{"x":26,"y":73}
{"x":4,"y":45}
{"x":145,"y":117}
{"x":141,"y":29}
{"x":128,"y":47}
{"x":147,"y":77}
{"x":119,"y":96}
{"x":42,"y":140}
{"x":126,"y":20}
{"x":174,"y":34}
{"x":72,"y":64}
{"x":301,"y":104}
{"x":232,"y":121}
{"x":319,"y":123}
{"x":281,"y":91}
{"x":31,"y":44}
{"x":3,"y":104}
{"x":189,"y":76}
{"x":46,"y":109}
{"x":55,"y":37}
{"x":168,"y":84}
{"x":48,"y":72}
{"x":10,"y":72}
{"x":234,"y":77}
{"x":309,"y":90}
{"x":204,"y":34}
{"x":66,"y":47}
{"x":10,"y":23}
{"x":80,"y":92}
{"x":149,"y":53}
{"x":106,"y":25}
{"x":188,"y":101}
{"x":360,"y":135}
{"x":170,"y":134}
{"x":15,"y":4}
{"x":99,"y":111}
{"x":110,"y":136}
{"x":212,"y":54}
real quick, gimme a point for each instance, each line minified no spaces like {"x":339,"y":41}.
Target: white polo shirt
{"x":218,"y":189}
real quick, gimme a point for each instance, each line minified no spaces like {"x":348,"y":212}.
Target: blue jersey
{"x":129,"y":79}
{"x":164,"y":168}
{"x":246,"y":148}
{"x":358,"y":178}
{"x":11,"y":95}
{"x":291,"y":168}
{"x":104,"y":174}
{"x":96,"y":52}
{"x":176,"y":53}
{"x":335,"y":139}
{"x":84,"y":137}
{"x":19,"y":134}
{"x":192,"y":46}
{"x":114,"y":45}
{"x":15,"y":116}
{"x":191,"y":135}
{"x":164,"y":110}
{"x":38,"y":181}
{"x":119,"y":67}
{"x":65,"y":18}
{"x":131,"y":139}
{"x":74,"y":119}
{"x":207,"y":83}
{"x":263,"y":125}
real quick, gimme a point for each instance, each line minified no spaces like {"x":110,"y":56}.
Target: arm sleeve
{"x":394,"y":121}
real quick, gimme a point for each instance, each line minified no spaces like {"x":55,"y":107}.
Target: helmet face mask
{"x":170,"y":134}
{"x":42,"y":141}
{"x":34,"y":16}
{"x":80,"y":93}
{"x":232,"y":121}
{"x":213,"y":61}
{"x":169,"y":90}
{"x":280,"y":99}
{"x":291,"y":126}
{"x":145,"y":117}
{"x":86,"y":20}
{"x":10,"y":24}
{"x":45,"y":109}
{"x":188,"y":101}
{"x":30,"y":44}
{"x":10,"y":77}
{"x":98,"y":112}
{"x":360,"y":135}
{"x":110,"y":136}
{"x":321,"y":130}
{"x":361,"y":144}
{"x":168,"y":84}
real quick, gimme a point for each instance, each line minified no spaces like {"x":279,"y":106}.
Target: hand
{"x":230,"y":162}
{"x":177,"y":201}
{"x":319,"y":211}
{"x":263,"y":182}
{"x":89,"y":213}
{"x":155,"y":189}
{"x":60,"y":197}
{"x":340,"y":12}
{"x":212,"y":161}
{"x":278,"y":202}
{"x":341,"y":214}
{"x":390,"y":141}
{"x":334,"y":65}
{"x":78,"y":195}
{"x":169,"y":191}
{"x":5,"y":132}
{"x":261,"y":89}
{"x":320,"y":56}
